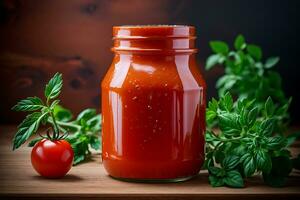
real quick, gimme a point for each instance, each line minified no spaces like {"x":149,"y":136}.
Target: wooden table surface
{"x":89,"y":181}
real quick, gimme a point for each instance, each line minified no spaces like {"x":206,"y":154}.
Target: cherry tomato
{"x":52,"y":159}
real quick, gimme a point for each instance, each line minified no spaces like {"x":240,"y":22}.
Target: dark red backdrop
{"x":38,"y":38}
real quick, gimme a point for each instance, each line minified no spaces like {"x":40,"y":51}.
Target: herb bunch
{"x":246,"y":74}
{"x":246,"y":143}
{"x":246,"y":137}
{"x":82,"y":133}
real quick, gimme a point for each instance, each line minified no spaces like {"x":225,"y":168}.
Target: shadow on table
{"x":202,"y":180}
{"x":67,"y":178}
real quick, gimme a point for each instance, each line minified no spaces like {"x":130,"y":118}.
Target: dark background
{"x":39,"y":37}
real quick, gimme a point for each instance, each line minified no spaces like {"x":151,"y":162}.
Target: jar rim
{"x":154,"y":26}
{"x":153,"y":31}
{"x":154,"y":39}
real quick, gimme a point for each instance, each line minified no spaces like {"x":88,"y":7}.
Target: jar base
{"x":141,"y":180}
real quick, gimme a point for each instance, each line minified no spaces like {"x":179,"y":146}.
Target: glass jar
{"x":153,"y":105}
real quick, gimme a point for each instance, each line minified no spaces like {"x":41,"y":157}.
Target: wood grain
{"x":89,"y":180}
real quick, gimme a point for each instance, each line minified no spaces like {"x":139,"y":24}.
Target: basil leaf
{"x":210,"y":136}
{"x":229,"y":124}
{"x":95,"y":143}
{"x":266,"y":127}
{"x":239,"y":42}
{"x":230,"y":161}
{"x":216,"y":181}
{"x":86,"y":114}
{"x":254,"y":51}
{"x":94,"y":124}
{"x":29,"y":104}
{"x":34,"y":141}
{"x":27,"y":128}
{"x":62,"y":114}
{"x":210,"y":115}
{"x":219,"y":47}
{"x":234,"y":179}
{"x":219,"y":172}
{"x":276,"y":142}
{"x":53,"y":88}
{"x":271,"y":62}
{"x":252,"y":116}
{"x":269,"y":107}
{"x":226,"y":102}
{"x":213,"y":60}
{"x":263,"y":161}
{"x":248,"y":164}
{"x":78,"y":158}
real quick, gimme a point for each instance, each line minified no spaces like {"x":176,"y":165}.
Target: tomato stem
{"x":55,"y":126}
{"x":53,"y":122}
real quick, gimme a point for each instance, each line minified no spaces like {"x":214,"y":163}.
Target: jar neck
{"x":159,"y":59}
{"x":170,"y":40}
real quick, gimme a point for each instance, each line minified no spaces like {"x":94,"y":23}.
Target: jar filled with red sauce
{"x":153,"y":105}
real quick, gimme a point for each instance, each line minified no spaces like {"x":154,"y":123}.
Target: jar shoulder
{"x":177,"y":73}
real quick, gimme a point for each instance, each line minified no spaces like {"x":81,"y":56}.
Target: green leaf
{"x":54,"y":104}
{"x":29,"y":104}
{"x":223,"y":81}
{"x":80,"y":147}
{"x":208,"y":160}
{"x":248,"y":164}
{"x":228,"y":85}
{"x":240,"y":149}
{"x":226,"y":102}
{"x":239,"y":42}
{"x":276,"y":142}
{"x":230,"y":162}
{"x":213,"y":60}
{"x":229,"y":124}
{"x":266,"y":127}
{"x":86,"y":114}
{"x":95,"y":143}
{"x":210,"y":115}
{"x":78,"y":159}
{"x":27,"y":128}
{"x":209,"y":136}
{"x":234,"y":179}
{"x":53,"y":88}
{"x":219,"y":154}
{"x":252,"y":116}
{"x":94,"y":123}
{"x":215,"y":181}
{"x":219,"y":172}
{"x":219,"y":47}
{"x":248,"y":118}
{"x":254,"y":51}
{"x":263,"y":161}
{"x":271,"y":62}
{"x":213,"y":105}
{"x":34,"y":141}
{"x":269,"y":107}
{"x":62,"y":114}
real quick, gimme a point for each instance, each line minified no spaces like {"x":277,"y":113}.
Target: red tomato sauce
{"x":153,"y":105}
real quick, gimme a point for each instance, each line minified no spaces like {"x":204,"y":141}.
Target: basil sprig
{"x":83,"y":133}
